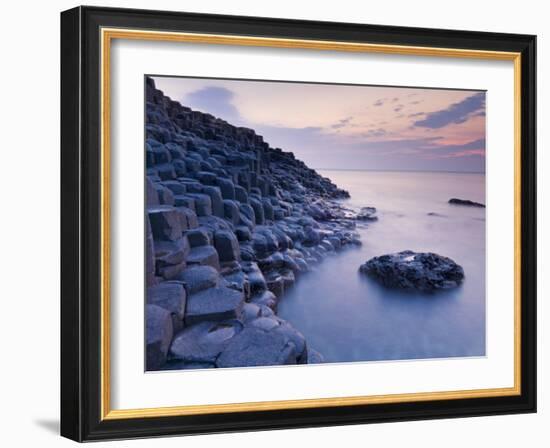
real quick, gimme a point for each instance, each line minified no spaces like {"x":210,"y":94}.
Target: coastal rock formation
{"x":231,"y":224}
{"x":456,"y":201}
{"x":410,"y":270}
{"x":367,"y":214}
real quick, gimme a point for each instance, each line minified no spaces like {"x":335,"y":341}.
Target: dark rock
{"x":456,"y":201}
{"x":367,"y":214}
{"x":414,"y":271}
{"x":198,"y":237}
{"x":159,"y":331}
{"x":227,"y":245}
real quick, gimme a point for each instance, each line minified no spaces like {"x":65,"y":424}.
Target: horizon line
{"x":399,"y":171}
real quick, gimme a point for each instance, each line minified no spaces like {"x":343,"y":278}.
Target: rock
{"x":199,"y":278}
{"x":314,"y":357}
{"x":251,"y":311}
{"x":165,"y":222}
{"x":456,"y":201}
{"x":256,"y":347}
{"x":227,"y":188}
{"x":203,"y":203}
{"x":265,"y":298}
{"x":414,"y":271}
{"x":367,"y":214}
{"x":204,"y":341}
{"x":149,"y":254}
{"x":231,"y":211}
{"x":170,"y":296}
{"x":204,"y":256}
{"x":227,"y":245}
{"x":158,"y":333}
{"x":214,"y":304}
{"x":198,"y":237}
{"x":215,"y":199}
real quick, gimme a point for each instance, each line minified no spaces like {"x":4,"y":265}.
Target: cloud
{"x":217,"y":101}
{"x":342,"y":123}
{"x":469,"y":149}
{"x":456,"y":113}
{"x":378,"y":103}
{"x":416,"y":114}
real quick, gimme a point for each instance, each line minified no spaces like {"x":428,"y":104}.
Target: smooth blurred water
{"x":349,"y":317}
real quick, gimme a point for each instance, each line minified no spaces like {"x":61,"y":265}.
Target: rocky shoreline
{"x":231,"y":224}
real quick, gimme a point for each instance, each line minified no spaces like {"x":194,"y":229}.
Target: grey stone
{"x":199,"y":278}
{"x":198,"y":237}
{"x":165,"y":222}
{"x":168,"y":295}
{"x":214,"y":304}
{"x":203,"y":203}
{"x":215,"y":199}
{"x":256,"y":347}
{"x":227,"y":245}
{"x":204,"y":341}
{"x":158,"y":335}
{"x":204,"y":256}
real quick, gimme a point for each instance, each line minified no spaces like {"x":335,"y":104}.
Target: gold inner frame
{"x":107,"y":35}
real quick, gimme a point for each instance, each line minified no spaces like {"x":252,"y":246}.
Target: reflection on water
{"x":349,"y":317}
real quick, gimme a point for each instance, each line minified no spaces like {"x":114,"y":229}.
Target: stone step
{"x":214,"y":304}
{"x":204,"y":256}
{"x":198,"y":278}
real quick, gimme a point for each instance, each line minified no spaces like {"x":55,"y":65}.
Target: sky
{"x":336,"y":126}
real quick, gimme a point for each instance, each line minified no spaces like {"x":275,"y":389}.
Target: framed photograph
{"x":273,"y":223}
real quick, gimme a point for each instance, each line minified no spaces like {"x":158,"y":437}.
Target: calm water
{"x":348,"y":317}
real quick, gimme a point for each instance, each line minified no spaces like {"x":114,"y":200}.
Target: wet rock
{"x":314,"y":357}
{"x":414,"y":271}
{"x":467,"y":202}
{"x":367,"y":214}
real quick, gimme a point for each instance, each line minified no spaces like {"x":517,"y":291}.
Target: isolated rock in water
{"x":367,"y":214}
{"x":456,"y":201}
{"x":410,"y":270}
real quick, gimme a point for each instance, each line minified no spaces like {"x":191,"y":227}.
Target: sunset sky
{"x":349,"y":127}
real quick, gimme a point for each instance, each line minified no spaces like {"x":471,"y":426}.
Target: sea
{"x":349,"y":317}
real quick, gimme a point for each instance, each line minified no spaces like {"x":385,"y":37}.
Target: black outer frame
{"x":80,"y":223}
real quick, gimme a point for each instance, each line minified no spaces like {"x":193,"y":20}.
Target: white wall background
{"x":29,"y":236}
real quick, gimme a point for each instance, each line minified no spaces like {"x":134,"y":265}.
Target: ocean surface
{"x":347,"y":316}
